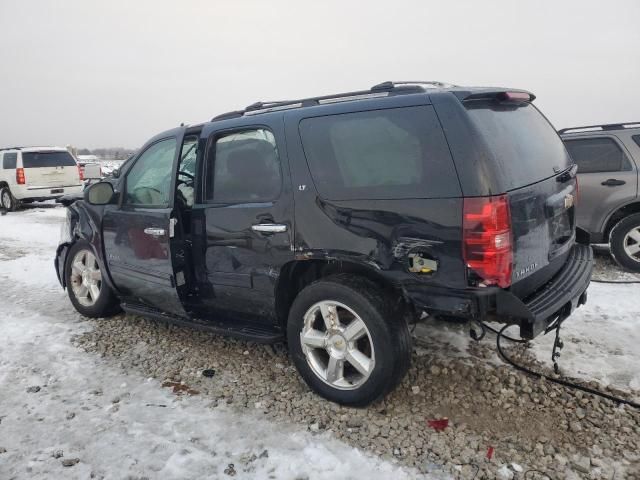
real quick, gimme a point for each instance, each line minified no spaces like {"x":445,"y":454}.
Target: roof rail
{"x":608,"y":126}
{"x":389,"y":85}
{"x":12,"y":148}
{"x":377,"y":91}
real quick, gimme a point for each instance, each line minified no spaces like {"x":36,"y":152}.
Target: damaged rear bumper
{"x":566,"y":291}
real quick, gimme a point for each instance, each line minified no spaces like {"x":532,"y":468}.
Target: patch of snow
{"x":601,"y":338}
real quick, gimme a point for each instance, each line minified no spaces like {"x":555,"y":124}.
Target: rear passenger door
{"x":607,"y":178}
{"x":243,"y":224}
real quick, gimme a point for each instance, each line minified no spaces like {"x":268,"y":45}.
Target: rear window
{"x":597,"y":155}
{"x":9,"y":160}
{"x":47,"y":159}
{"x":524,"y":144}
{"x":379,"y":154}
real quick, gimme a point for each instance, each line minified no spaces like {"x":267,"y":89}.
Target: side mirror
{"x":101,"y":193}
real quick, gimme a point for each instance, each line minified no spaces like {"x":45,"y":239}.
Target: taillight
{"x":515,"y":96}
{"x":487,"y":243}
{"x":575,"y":200}
{"x":20,"y":178}
{"x":80,"y":173}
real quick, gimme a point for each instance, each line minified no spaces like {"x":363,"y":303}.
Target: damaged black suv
{"x":334,"y":222}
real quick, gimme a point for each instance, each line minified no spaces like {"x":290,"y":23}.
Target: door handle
{"x":613,"y":182}
{"x":155,"y":232}
{"x":269,"y":228}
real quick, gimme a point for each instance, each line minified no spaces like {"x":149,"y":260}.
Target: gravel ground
{"x":528,"y":423}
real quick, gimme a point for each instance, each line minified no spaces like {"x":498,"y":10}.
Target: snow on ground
{"x":121,"y":425}
{"x":601,"y":338}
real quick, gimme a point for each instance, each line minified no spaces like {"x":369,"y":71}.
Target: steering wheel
{"x":188,"y":175}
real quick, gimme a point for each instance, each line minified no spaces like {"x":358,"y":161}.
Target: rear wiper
{"x":568,"y":174}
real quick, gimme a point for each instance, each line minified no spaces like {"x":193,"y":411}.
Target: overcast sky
{"x":114,"y":73}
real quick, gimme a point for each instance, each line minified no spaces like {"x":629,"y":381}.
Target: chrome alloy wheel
{"x":632,"y":244}
{"x":86,"y":278}
{"x":337,"y":345}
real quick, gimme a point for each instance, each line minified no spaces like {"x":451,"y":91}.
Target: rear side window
{"x":378,"y":154}
{"x":244,"y":167}
{"x":597,"y":155}
{"x":47,"y":159}
{"x":9,"y":160}
{"x":636,"y":138}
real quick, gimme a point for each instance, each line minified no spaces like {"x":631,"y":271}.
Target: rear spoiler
{"x":502,"y":95}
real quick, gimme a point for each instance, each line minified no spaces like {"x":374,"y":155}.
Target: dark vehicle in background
{"x":608,"y":157}
{"x":333,"y":222}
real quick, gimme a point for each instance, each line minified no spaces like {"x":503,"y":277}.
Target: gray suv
{"x":608,"y":157}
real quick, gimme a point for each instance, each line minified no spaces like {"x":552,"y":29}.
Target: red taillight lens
{"x":20,"y":178}
{"x":80,"y":173}
{"x":487,"y":243}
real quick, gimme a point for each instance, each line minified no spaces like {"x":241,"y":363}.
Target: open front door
{"x":138,"y":232}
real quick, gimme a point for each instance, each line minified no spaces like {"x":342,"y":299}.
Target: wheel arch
{"x":84,"y":225}
{"x":297,"y":274}
{"x":619,"y":214}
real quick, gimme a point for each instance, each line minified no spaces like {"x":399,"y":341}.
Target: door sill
{"x":227,"y":327}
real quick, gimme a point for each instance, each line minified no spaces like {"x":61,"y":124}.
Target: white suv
{"x":28,"y":174}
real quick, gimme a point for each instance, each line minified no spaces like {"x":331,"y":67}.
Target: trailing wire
{"x":565,"y":383}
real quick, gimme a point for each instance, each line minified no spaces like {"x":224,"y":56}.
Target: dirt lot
{"x":531,"y":425}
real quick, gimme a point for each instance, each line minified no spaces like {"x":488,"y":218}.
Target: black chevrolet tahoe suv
{"x":335,"y":222}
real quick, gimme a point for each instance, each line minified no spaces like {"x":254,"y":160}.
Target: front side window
{"x":9,"y":160}
{"x":392,"y":153}
{"x":149,"y":179}
{"x":244,"y":167}
{"x":597,"y":155}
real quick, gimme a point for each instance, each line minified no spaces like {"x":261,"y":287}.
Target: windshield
{"x":522,"y":141}
{"x":47,"y":159}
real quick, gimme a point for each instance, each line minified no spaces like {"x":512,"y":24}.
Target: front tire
{"x":348,"y":340}
{"x":625,"y":242}
{"x":89,"y":293}
{"x":7,"y":200}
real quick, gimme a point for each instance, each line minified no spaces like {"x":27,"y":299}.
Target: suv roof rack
{"x":608,"y":126}
{"x":380,"y":90}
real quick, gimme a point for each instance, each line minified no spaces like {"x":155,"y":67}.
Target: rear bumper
{"x":35,"y":193}
{"x":566,"y":291}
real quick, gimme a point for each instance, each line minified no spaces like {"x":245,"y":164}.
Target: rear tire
{"x":89,"y":293}
{"x":625,"y":242}
{"x":7,"y":200}
{"x":348,"y":339}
